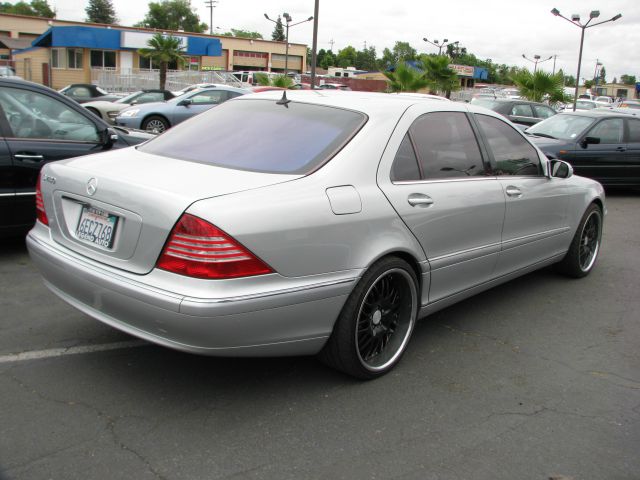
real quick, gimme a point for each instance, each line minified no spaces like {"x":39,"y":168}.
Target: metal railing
{"x":136,"y":79}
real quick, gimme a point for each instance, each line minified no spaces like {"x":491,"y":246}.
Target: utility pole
{"x":331,"y":42}
{"x":210,"y":4}
{"x":554,"y":65}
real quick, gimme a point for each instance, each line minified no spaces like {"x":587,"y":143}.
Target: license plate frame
{"x":97,"y":227}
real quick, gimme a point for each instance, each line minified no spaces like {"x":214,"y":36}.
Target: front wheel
{"x":155,"y":124}
{"x":585,"y":246}
{"x":376,"y":322}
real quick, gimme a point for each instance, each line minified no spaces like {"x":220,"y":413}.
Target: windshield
{"x":486,"y":103}
{"x":585,"y":105}
{"x":129,"y":98}
{"x":563,"y":126}
{"x":261,"y":136}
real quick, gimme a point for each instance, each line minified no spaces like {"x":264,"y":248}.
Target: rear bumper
{"x":293,"y":321}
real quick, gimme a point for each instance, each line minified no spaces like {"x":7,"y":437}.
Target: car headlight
{"x":113,"y":114}
{"x":130,"y":113}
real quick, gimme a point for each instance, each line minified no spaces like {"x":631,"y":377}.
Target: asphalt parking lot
{"x":533,"y":379}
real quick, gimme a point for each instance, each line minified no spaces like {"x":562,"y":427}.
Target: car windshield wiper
{"x":537,"y":134}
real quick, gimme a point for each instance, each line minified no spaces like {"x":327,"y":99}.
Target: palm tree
{"x":539,"y":86}
{"x":406,"y":78}
{"x":265,"y":80}
{"x":439,"y":75}
{"x":163,"y":51}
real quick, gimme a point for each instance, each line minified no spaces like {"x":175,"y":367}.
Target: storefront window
{"x":103,"y":59}
{"x":74,"y":58}
{"x":57,"y":58}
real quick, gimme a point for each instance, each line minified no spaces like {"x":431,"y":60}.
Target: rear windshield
{"x":261,"y":136}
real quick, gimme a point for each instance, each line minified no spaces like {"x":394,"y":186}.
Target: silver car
{"x":323,"y":223}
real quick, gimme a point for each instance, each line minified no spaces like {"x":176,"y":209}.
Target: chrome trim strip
{"x":507,"y":244}
{"x":462,"y":252}
{"x":256,"y":296}
{"x":7,"y":194}
{"x":25,"y":194}
{"x":445,"y":180}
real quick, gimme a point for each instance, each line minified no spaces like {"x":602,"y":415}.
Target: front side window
{"x":634,"y":131}
{"x":522,"y":110}
{"x":74,"y":58}
{"x":446,"y":146}
{"x":211,"y":97}
{"x":608,"y":131}
{"x":261,"y":136}
{"x":543,"y":112}
{"x":512,"y":153}
{"x":36,"y":116}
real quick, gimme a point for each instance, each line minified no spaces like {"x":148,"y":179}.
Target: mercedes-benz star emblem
{"x":92,"y":186}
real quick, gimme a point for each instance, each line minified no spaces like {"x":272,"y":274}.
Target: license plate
{"x":97,"y":226}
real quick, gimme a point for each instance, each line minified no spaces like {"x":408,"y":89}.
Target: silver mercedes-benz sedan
{"x":323,"y":223}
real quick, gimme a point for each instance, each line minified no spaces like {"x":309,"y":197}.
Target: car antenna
{"x":284,"y":100}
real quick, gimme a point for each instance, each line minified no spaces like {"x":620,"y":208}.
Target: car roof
{"x":595,"y":113}
{"x":373,"y":104}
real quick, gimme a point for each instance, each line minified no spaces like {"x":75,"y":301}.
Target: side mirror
{"x":561,"y":169}
{"x":589,"y":141}
{"x":185,"y":103}
{"x":109,"y":137}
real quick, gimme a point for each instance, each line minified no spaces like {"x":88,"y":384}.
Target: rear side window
{"x":522,"y":110}
{"x":405,"y":165}
{"x":512,"y":153}
{"x":634,"y":131}
{"x":261,"y":136}
{"x":446,"y":146}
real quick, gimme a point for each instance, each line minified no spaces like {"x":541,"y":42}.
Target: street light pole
{"x":575,"y":20}
{"x":210,"y":4}
{"x":288,"y":19}
{"x":536,"y":61}
{"x":440,"y":46}
{"x":314,"y":55}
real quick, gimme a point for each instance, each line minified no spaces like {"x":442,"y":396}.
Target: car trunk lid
{"x":119,"y":209}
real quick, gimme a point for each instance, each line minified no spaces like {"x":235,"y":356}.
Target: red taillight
{"x":198,"y":249}
{"x":41,"y":215}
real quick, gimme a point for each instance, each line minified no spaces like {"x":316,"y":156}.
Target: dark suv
{"x":523,"y":112}
{"x":39,"y":125}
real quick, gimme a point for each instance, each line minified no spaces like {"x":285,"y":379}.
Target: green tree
{"x":173,"y":15}
{"x":540,"y":86}
{"x":101,"y":11}
{"x":628,"y":79}
{"x":401,"y":52}
{"x":602,"y":77}
{"x":163,"y":50}
{"x":347,"y":57}
{"x":37,"y":8}
{"x":405,"y":78}
{"x":241,"y":33}
{"x":366,"y":59}
{"x":278,"y":31}
{"x":328,"y":60}
{"x":615,"y":80}
{"x":439,"y":75}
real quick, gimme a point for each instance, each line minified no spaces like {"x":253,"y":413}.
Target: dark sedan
{"x":599,"y":144}
{"x":518,"y":111}
{"x":87,"y":92}
{"x":38,"y":125}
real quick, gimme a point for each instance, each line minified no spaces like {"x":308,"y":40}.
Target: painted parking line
{"x":61,"y":352}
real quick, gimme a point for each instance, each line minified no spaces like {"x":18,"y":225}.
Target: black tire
{"x":155,"y":124}
{"x":585,"y":246}
{"x":376,"y":322}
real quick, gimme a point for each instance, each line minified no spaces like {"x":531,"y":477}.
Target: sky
{"x":502,"y":30}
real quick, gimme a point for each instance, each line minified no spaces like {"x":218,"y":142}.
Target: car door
{"x":198,"y":102}
{"x":7,"y":189}
{"x":522,"y":113}
{"x":605,"y":160}
{"x":535,"y":223}
{"x":40,"y":128}
{"x":632,"y":158}
{"x":436,"y":179}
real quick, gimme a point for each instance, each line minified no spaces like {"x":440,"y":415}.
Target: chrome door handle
{"x":621,"y":149}
{"x":29,"y":158}
{"x":420,"y":200}
{"x":514,"y":192}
